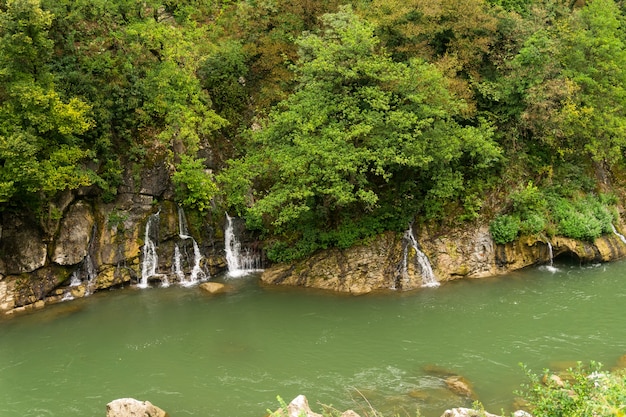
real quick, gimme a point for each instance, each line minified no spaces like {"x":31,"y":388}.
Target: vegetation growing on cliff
{"x":360,"y":133}
{"x":323,"y":122}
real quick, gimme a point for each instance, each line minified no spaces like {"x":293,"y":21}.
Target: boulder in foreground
{"x":299,"y":407}
{"x":130,"y":407}
{"x":468,"y":412}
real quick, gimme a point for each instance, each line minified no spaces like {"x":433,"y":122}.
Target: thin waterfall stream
{"x":197,"y":274}
{"x":150,"y":261}
{"x":241,"y":261}
{"x":426,"y":270}
{"x":618,"y":234}
{"x":550,"y":267}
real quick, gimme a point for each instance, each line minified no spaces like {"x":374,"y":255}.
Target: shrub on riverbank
{"x":582,"y":216}
{"x":582,"y":392}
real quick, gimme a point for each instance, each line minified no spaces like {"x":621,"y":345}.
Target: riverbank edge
{"x":387,"y":262}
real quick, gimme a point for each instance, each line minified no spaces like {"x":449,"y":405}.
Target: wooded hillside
{"x":320,"y":122}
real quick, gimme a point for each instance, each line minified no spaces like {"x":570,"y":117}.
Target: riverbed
{"x":232,"y":354}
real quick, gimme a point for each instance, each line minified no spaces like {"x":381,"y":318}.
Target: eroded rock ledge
{"x":104,"y":243}
{"x":464,"y":253}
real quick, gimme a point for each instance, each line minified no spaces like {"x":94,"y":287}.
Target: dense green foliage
{"x":322,"y":123}
{"x":39,"y":128}
{"x":360,"y":131}
{"x":583,"y":392}
{"x":547,"y":212}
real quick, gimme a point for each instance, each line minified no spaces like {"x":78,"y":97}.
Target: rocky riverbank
{"x":389,"y":261}
{"x":85,"y":245}
{"x":298,"y":407}
{"x":98,"y":246}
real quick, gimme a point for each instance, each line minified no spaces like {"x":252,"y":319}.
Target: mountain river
{"x":231,"y":355}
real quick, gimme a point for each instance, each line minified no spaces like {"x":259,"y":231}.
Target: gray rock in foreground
{"x":468,"y":412}
{"x":130,"y":407}
{"x":299,"y":407}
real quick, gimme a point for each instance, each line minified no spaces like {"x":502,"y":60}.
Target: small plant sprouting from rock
{"x":116,"y":220}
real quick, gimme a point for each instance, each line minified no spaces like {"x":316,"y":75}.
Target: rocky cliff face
{"x":94,"y":245}
{"x":462,"y":253}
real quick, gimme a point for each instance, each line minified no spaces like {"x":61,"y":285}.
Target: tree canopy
{"x":320,"y":123}
{"x":40,"y":129}
{"x":358,"y":128}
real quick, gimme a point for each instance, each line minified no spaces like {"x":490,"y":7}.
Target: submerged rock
{"x":130,"y":407}
{"x":214,"y":287}
{"x":621,"y":363}
{"x":460,"y":386}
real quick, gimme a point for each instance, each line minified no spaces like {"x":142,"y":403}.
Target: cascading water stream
{"x":232,"y":248}
{"x":183,"y":229}
{"x":91,"y":274}
{"x":150,"y":260}
{"x":86,"y":273}
{"x":428,"y":276}
{"x":621,"y":236}
{"x":75,"y":280}
{"x":177,"y":268}
{"x":197,"y":274}
{"x":550,"y":254}
{"x":550,"y":267}
{"x":239,"y":262}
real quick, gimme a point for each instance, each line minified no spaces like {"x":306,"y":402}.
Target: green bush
{"x":194,"y":187}
{"x":505,"y":228}
{"x":585,"y":392}
{"x":584,"y":218}
{"x":548,"y":212}
{"x":528,"y":200}
{"x":533,"y":223}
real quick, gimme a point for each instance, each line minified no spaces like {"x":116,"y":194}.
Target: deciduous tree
{"x":358,"y":126}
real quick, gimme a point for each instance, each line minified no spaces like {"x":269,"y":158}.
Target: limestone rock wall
{"x":85,"y":245}
{"x":356,"y":270}
{"x":96,"y":245}
{"x":467,"y":252}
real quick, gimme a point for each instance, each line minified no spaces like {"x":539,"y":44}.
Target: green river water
{"x":231,"y":355}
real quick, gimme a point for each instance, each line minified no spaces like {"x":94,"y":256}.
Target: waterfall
{"x":550,"y":254}
{"x":91,"y":274}
{"x":621,"y":236}
{"x":183,"y":229}
{"x":550,"y":267}
{"x":75,"y":280}
{"x":150,"y":260}
{"x":426,"y":270}
{"x":239,"y":262}
{"x":85,"y":273}
{"x":196,"y":274}
{"x":177,"y":268}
